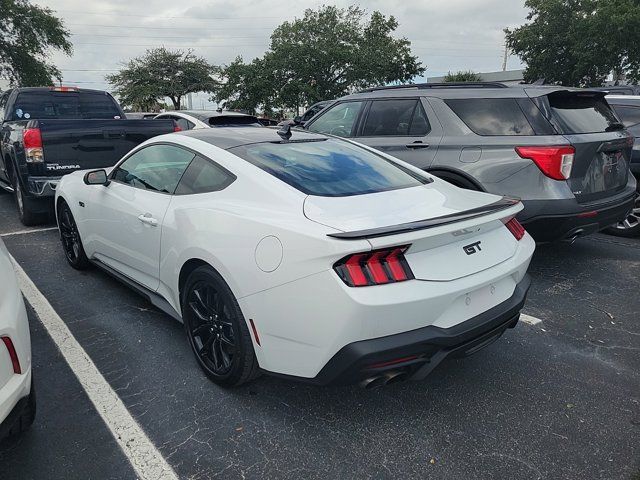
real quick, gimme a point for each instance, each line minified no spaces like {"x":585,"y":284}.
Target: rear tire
{"x":27,"y":416}
{"x":70,"y":237}
{"x":217,"y":330}
{"x":28,"y":216}
{"x":630,"y":226}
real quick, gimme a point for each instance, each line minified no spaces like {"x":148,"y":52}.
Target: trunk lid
{"x":440,"y":252}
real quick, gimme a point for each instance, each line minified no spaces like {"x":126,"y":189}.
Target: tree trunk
{"x":176,"y":102}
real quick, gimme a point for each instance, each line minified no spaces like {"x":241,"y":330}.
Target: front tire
{"x":217,"y":330}
{"x":70,"y":236}
{"x":630,"y":226}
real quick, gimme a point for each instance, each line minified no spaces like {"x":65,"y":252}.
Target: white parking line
{"x":32,"y":230}
{"x":529,"y":319}
{"x":143,"y":455}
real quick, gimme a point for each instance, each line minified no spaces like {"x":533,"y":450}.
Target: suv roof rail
{"x":438,"y":85}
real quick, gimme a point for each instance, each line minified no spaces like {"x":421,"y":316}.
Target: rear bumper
{"x":42,"y":186}
{"x":416,"y":353}
{"x":552,"y":220}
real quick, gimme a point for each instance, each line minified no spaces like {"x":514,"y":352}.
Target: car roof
{"x":623,"y":99}
{"x":444,"y":91}
{"x":207,"y":114}
{"x":230,"y":137}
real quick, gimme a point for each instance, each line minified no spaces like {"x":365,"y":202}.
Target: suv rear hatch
{"x":602,"y":146}
{"x":450,"y":236}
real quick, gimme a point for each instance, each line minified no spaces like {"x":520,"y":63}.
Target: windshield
{"x":64,"y":105}
{"x":329,"y":168}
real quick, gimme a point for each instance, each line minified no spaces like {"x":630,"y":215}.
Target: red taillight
{"x":32,"y":141}
{"x":13,"y":355}
{"x":31,"y":138}
{"x":554,"y":162}
{"x":515,"y":227}
{"x":176,"y":127}
{"x":374,"y":268}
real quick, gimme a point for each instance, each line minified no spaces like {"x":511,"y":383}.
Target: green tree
{"x":461,"y":76}
{"x":326,"y":54}
{"x":578,"y":42}
{"x":161,"y":73}
{"x":27,"y":34}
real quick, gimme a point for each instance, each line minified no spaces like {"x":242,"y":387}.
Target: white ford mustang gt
{"x":304,"y":256}
{"x":17,"y":396}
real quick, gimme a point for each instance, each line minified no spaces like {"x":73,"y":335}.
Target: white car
{"x":17,"y":396}
{"x":304,"y":256}
{"x":197,"y":119}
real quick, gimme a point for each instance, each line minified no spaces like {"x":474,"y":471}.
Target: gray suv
{"x":562,"y":151}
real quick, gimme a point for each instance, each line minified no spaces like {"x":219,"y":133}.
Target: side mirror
{"x":297,"y":119}
{"x":96,"y":177}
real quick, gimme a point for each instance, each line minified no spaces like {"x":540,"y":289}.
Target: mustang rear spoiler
{"x":502,"y":204}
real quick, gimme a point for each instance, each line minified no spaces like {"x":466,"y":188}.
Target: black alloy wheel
{"x":217,"y":330}
{"x":70,"y":236}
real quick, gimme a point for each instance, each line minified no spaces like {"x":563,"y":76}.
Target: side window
{"x":184,"y":124}
{"x":204,"y":176}
{"x":311,"y":113}
{"x":338,"y":120}
{"x":157,"y":168}
{"x":400,"y":117}
{"x":630,"y":116}
{"x":491,"y":116}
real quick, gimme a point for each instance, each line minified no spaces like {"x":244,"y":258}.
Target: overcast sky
{"x":447,"y":35}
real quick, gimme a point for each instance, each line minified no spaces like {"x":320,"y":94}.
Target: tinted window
{"x":312,"y":112}
{"x":338,"y":120}
{"x":329,"y":168}
{"x":491,"y":116}
{"x":50,"y":104}
{"x":577,"y":112}
{"x":233,"y":121}
{"x":184,"y":124}
{"x":157,"y":168}
{"x":630,"y":116}
{"x":203,"y":176}
{"x":395,"y":118}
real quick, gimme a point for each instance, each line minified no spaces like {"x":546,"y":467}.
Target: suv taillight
{"x":374,"y":268}
{"x":515,"y":227}
{"x":554,"y":162}
{"x":32,"y":141}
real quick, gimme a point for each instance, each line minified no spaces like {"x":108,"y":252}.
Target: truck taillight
{"x":555,"y":162}
{"x":374,"y":268}
{"x":32,"y":141}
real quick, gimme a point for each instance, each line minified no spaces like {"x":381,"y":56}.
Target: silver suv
{"x":562,"y":151}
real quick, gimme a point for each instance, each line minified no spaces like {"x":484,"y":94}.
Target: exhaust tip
{"x":373,"y":382}
{"x":395,"y":377}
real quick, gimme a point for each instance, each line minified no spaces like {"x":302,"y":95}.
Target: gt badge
{"x":472,"y":248}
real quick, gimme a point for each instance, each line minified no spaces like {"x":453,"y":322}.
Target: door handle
{"x":417,"y":144}
{"x":148,"y":219}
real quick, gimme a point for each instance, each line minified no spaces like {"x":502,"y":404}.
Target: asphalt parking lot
{"x":549,"y":400}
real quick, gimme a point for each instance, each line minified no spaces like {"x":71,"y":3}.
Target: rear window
{"x":577,"y":112}
{"x":48,"y":104}
{"x":329,"y":168}
{"x":492,"y":116}
{"x":233,"y":121}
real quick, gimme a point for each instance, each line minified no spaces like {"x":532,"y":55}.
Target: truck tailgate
{"x":71,"y":145}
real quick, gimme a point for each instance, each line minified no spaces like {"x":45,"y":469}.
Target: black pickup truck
{"x":48,"y":132}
